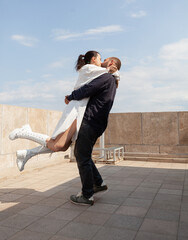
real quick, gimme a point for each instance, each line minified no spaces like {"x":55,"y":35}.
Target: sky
{"x":40,"y":41}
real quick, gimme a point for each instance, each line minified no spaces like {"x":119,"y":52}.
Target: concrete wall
{"x":159,"y":136}
{"x":43,"y":121}
{"x":150,"y":136}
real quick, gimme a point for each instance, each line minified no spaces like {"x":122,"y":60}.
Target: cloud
{"x":175,"y":51}
{"x":47,"y":94}
{"x":157,"y":83}
{"x":155,"y":86}
{"x":61,"y":34}
{"x":48,"y":75}
{"x":106,"y":29}
{"x":151,"y":89}
{"x":139,"y":14}
{"x":25,"y":40}
{"x":108,"y":50}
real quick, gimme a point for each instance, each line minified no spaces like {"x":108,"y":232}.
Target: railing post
{"x":101,"y":143}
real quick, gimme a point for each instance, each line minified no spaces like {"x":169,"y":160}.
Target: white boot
{"x":26,"y":133}
{"x":24,"y":155}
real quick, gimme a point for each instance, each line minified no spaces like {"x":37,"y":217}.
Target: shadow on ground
{"x":141,"y":203}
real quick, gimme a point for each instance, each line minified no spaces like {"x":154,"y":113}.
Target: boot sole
{"x":82,"y":204}
{"x":101,"y":190}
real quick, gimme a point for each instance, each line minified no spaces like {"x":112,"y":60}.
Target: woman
{"x":89,"y":68}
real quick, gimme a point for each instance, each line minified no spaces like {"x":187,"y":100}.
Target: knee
{"x":56,"y":148}
{"x":59,"y":147}
{"x":52,"y":146}
{"x":81,"y":159}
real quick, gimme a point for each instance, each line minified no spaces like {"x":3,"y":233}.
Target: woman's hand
{"x":112,"y":68}
{"x":66,"y":100}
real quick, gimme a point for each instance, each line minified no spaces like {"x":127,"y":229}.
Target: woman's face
{"x":96,"y":60}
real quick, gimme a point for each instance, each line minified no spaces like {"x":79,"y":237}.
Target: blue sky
{"x":41,"y":40}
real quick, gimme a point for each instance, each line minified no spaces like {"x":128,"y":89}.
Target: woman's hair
{"x":85,"y":59}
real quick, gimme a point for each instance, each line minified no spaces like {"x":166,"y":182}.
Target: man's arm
{"x":89,"y":89}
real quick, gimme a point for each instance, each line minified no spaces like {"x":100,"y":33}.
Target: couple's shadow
{"x":28,"y":201}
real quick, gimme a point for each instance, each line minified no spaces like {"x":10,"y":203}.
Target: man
{"x":101,"y":91}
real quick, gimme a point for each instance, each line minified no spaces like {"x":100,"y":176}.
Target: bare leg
{"x":63,"y":140}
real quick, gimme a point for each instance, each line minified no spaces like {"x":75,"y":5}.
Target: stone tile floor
{"x":145,"y":201}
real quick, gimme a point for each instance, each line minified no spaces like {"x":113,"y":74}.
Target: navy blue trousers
{"x":89,"y":174}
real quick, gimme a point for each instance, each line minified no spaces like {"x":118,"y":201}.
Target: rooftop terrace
{"x":144,"y":201}
{"x":147,"y":198}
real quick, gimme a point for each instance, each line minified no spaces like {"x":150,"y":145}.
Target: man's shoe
{"x":81,"y":200}
{"x":103,"y":187}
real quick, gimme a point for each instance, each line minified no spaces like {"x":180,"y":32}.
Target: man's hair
{"x":117,"y":62}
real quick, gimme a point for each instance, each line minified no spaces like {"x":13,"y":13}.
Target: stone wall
{"x":159,"y":136}
{"x":43,"y":121}
{"x":150,"y":136}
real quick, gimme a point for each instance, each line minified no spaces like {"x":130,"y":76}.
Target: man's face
{"x":106,"y":63}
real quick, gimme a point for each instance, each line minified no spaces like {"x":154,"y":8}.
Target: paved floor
{"x":145,"y":201}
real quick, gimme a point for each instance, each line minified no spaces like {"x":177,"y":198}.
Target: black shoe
{"x":103,"y":187}
{"x":81,"y":200}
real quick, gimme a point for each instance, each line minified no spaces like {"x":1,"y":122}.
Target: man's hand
{"x":66,"y":100}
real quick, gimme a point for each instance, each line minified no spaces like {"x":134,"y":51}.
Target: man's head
{"x":110,"y":61}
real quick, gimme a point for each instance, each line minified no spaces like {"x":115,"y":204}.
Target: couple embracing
{"x":84,"y":119}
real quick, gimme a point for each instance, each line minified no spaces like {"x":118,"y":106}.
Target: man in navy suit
{"x":101,"y":92}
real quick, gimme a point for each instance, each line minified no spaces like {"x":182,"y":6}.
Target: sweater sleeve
{"x":88,"y":90}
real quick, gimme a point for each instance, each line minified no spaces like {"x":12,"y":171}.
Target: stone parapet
{"x":43,"y":121}
{"x":158,"y":136}
{"x":161,"y":136}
